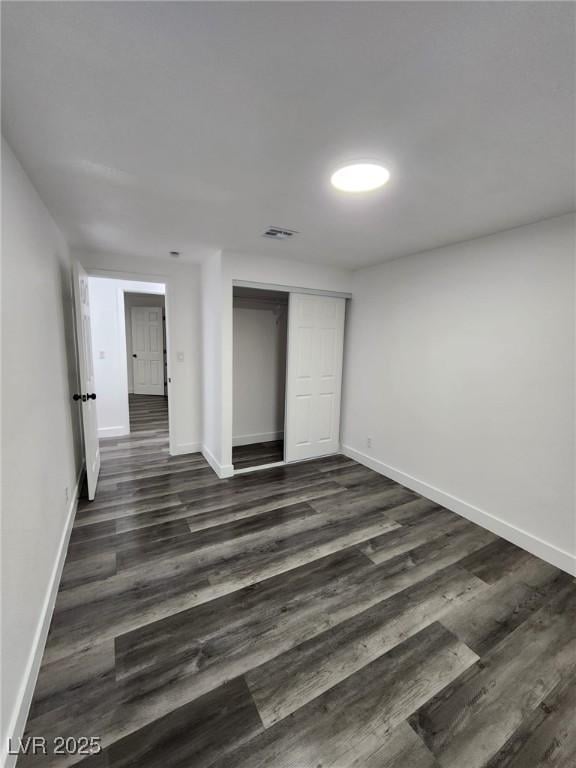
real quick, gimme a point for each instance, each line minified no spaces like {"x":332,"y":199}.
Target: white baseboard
{"x":179,"y":450}
{"x":247,"y":470}
{"x":222,"y":470}
{"x":17,"y":723}
{"x":119,"y":431}
{"x":262,"y":437}
{"x":533,"y":544}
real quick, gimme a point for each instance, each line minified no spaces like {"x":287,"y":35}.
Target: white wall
{"x":137,"y":300}
{"x":183,"y":312}
{"x":41,"y":443}
{"x":460,"y":368}
{"x":259,"y":360}
{"x":212,"y":360}
{"x":109,"y":347}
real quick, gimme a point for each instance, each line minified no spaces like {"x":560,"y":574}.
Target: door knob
{"x":76,"y":397}
{"x":134,"y":355}
{"x":91,"y":397}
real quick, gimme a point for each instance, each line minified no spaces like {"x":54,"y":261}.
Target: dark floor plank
{"x":235,"y":538}
{"x":354,"y":719}
{"x":195,"y":735}
{"x":200,"y":656}
{"x":127,"y":541}
{"x":357,"y":476}
{"x":59,"y":684}
{"x":356,"y":500}
{"x":435,"y":524}
{"x":229,"y":513}
{"x":468,"y":723}
{"x":138,"y":595}
{"x":230,"y":635}
{"x":504,"y":606}
{"x":287,"y":682}
{"x":497,"y":560}
{"x":88,"y":569}
{"x":82,"y":534}
{"x":127,"y":507}
{"x":256,"y":454}
{"x":202,"y":499}
{"x":402,"y":748}
{"x":243,"y":629}
{"x":166,"y":664}
{"x":547,"y":738}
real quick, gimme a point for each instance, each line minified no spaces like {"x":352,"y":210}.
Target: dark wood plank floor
{"x":244,"y":456}
{"x":308,"y":615}
{"x":148,"y":412}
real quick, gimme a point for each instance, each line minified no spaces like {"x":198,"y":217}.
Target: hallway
{"x":148,"y":412}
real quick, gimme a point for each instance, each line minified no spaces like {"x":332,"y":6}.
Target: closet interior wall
{"x":259,"y":371}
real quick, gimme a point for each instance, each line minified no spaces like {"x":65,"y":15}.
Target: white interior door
{"x":148,"y":350}
{"x":86,"y":397}
{"x":314,"y":376}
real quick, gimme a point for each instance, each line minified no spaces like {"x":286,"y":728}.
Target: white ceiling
{"x":148,"y":127}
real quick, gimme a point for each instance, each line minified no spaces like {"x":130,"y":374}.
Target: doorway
{"x":260,"y":322}
{"x":147,"y":369}
{"x":129,"y":356}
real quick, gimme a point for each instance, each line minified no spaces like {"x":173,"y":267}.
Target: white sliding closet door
{"x":314,"y":376}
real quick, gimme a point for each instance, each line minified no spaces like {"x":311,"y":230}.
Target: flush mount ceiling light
{"x":360,"y":177}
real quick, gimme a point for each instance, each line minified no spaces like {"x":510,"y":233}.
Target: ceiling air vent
{"x":277,"y":233}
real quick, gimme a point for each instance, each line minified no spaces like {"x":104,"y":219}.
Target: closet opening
{"x":260,"y":330}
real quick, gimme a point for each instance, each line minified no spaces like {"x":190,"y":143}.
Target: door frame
{"x":288,"y":289}
{"x":281,"y":289}
{"x":138,"y":277}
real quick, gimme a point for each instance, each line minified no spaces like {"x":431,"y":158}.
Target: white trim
{"x":263,"y":437}
{"x":178,"y":450}
{"x":117,"y":274}
{"x":120,"y":431}
{"x":533,"y":544}
{"x":289,"y":289}
{"x":243,"y":302}
{"x":17,"y":723}
{"x":222,"y":470}
{"x":139,"y":277}
{"x":246,"y":470}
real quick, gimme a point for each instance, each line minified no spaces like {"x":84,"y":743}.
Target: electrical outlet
{"x":368,"y":442}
